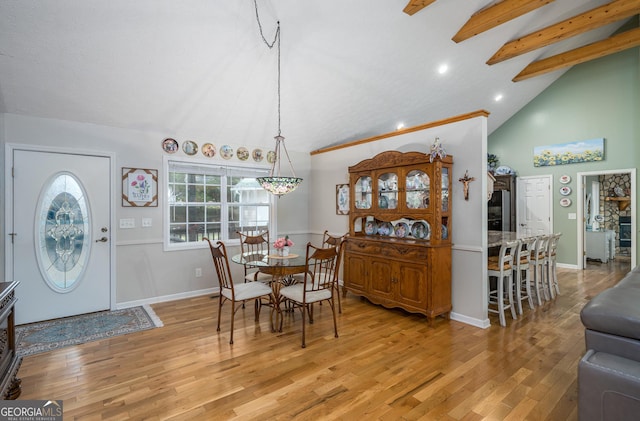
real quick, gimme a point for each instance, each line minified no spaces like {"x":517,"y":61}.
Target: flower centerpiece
{"x":282,"y":245}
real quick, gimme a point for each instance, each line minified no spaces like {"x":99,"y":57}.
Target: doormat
{"x":34,"y":338}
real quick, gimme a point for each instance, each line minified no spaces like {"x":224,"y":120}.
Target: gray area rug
{"x":49,"y":335}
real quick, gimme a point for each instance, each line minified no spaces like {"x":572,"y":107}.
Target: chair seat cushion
{"x":295,"y":293}
{"x":495,"y":266}
{"x":247,"y":291}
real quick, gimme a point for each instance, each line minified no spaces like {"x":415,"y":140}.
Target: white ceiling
{"x":198,"y":69}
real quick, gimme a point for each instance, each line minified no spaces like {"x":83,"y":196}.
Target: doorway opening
{"x":606,"y":217}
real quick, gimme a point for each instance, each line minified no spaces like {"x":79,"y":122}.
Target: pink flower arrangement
{"x":282,"y":242}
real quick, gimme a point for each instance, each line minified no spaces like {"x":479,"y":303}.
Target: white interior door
{"x":533,"y":206}
{"x":61,"y":234}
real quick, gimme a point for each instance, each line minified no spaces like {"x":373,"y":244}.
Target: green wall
{"x":597,"y":99}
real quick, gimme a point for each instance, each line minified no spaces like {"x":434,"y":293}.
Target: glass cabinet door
{"x":362,"y":194}
{"x":388,"y":191}
{"x":445,"y":203}
{"x":417,"y":188}
{"x":445,"y":189}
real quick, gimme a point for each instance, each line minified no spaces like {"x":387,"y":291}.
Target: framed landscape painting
{"x":569,"y":153}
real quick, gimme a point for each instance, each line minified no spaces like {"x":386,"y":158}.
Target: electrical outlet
{"x":198,"y":272}
{"x":147,"y":222}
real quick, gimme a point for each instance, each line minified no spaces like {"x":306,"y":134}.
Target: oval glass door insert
{"x":63,"y":242}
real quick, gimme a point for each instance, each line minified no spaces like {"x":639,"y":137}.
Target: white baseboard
{"x":566,"y":266}
{"x":483,"y":324}
{"x":165,"y":298}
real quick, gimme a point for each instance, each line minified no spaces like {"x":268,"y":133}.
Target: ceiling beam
{"x":611,"y":45}
{"x":414,"y":6}
{"x":595,"y":18}
{"x":495,"y":15}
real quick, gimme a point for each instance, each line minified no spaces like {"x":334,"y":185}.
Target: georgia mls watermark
{"x":31,"y":410}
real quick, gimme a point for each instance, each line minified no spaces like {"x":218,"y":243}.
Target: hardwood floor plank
{"x":386,"y":364}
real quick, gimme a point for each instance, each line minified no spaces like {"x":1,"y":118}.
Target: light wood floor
{"x":385,"y":365}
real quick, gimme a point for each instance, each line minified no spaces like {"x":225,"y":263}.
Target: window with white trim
{"x":214,"y":202}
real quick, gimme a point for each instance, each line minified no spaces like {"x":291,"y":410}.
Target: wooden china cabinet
{"x":398,"y":253}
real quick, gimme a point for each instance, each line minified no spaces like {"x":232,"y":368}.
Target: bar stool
{"x":524,"y":266}
{"x":501,"y":267}
{"x":539,"y":257}
{"x":552,"y":275}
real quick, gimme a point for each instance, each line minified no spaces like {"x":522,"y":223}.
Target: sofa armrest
{"x":608,"y":387}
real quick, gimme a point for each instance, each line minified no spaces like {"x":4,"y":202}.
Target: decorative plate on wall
{"x":242,"y":153}
{"x":208,"y":150}
{"x":169,"y":145}
{"x":226,"y":151}
{"x":190,"y":147}
{"x":271,"y":157}
{"x":565,"y":179}
{"x":257,"y":155}
{"x":565,"y":190}
{"x":565,"y":201}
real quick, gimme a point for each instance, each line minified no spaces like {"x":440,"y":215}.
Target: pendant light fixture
{"x":276,"y":183}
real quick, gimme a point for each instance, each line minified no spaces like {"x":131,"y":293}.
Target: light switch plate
{"x":127,"y":223}
{"x":572,"y":215}
{"x":147,"y":222}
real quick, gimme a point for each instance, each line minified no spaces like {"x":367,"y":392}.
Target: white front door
{"x":533,"y":207}
{"x":61,"y":234}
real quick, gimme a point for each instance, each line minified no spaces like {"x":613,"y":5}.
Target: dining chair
{"x":235,"y":293}
{"x":254,"y":247}
{"x":523,"y":269}
{"x":321,"y":272}
{"x":539,"y":258}
{"x":329,"y":240}
{"x":552,"y":275}
{"x":501,"y":267}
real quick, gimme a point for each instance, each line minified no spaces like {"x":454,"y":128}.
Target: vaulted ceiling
{"x":199,"y":70}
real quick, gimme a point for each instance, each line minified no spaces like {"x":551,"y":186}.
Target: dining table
{"x":281,"y":268}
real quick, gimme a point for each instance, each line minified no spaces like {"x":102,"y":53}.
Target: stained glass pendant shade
{"x":275,"y":183}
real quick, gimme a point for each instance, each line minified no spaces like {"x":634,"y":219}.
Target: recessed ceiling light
{"x":400,"y":126}
{"x":443,"y":69}
{"x":498,"y":97}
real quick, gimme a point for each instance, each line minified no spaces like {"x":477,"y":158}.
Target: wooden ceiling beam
{"x":496,"y":15}
{"x":594,"y":18}
{"x":611,"y":45}
{"x":414,"y":6}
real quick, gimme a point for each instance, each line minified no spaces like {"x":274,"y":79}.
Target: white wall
{"x":146,"y":273}
{"x":466,"y":141}
{"x":2,"y":184}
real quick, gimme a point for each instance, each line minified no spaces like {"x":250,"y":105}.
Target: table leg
{"x":276,"y":312}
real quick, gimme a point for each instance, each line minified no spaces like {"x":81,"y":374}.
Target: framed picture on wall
{"x":342,"y":199}
{"x":139,"y":187}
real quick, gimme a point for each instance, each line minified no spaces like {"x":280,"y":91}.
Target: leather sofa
{"x":609,"y":372}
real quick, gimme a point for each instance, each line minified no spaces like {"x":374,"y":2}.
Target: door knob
{"x":102,"y":240}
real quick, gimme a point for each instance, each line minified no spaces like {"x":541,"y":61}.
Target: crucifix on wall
{"x":465,"y":184}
